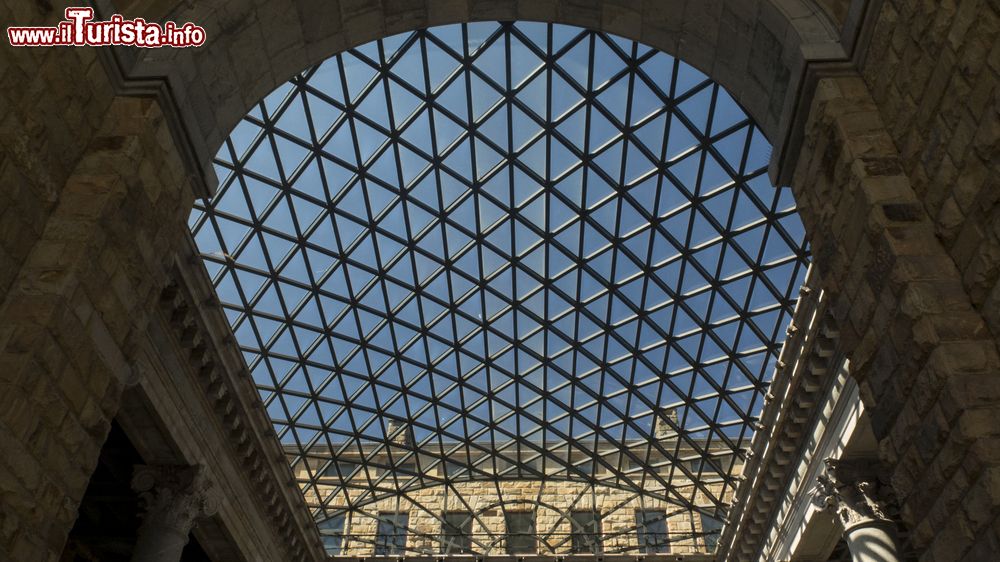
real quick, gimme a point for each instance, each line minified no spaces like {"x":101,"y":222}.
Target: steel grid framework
{"x":549,"y":252}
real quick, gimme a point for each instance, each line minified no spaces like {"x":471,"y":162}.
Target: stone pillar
{"x":662,"y":429}
{"x":851,"y":490}
{"x":173,"y":498}
{"x":400,"y":433}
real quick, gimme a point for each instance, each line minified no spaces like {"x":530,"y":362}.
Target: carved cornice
{"x":116,"y":62}
{"x":845,"y":57}
{"x":197,"y":320}
{"x":801,"y":378}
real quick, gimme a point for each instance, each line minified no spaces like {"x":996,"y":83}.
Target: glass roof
{"x":535,"y":250}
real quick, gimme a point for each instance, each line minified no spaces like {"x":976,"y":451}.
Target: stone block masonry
{"x":933,"y":72}
{"x":925,"y":361}
{"x":72,"y":316}
{"x":550,"y":501}
{"x":55,"y":101}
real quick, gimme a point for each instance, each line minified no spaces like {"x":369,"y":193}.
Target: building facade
{"x":560,"y":516}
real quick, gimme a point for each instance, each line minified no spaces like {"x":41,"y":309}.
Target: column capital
{"x":851,"y":489}
{"x":175,"y":496}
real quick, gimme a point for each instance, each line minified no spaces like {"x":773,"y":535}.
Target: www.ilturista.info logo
{"x":79,"y":30}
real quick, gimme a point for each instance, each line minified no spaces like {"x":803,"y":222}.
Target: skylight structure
{"x":504,"y":251}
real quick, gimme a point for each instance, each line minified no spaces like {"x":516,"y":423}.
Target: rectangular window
{"x":332,"y":532}
{"x":346,"y":469}
{"x":453,"y":469}
{"x":651,"y":528}
{"x":502,"y":465}
{"x":456,"y":533}
{"x":520,"y":532}
{"x":629,"y":464}
{"x":587,"y":467}
{"x":531,"y":467}
{"x":712,"y":527}
{"x":586,"y":532}
{"x":390,"y":538}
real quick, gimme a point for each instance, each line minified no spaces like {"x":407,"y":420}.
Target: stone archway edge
{"x":760,"y":51}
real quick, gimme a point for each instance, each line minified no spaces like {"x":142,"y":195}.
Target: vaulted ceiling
{"x":533,"y":250}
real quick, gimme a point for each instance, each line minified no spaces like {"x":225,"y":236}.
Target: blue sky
{"x":503,"y":233}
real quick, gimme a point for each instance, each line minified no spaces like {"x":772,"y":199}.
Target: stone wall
{"x":73,"y":315}
{"x":925,"y":362}
{"x":933,"y":70}
{"x":54,"y":101}
{"x":553,"y":501}
{"x":836,"y":10}
{"x":52,"y":419}
{"x":755,"y":48}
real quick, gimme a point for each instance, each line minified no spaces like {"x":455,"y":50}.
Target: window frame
{"x":592,"y":546}
{"x":643,"y":523}
{"x":710,"y":541}
{"x":333,"y":543}
{"x":393,"y":544}
{"x":463,"y":532}
{"x":531,"y":535}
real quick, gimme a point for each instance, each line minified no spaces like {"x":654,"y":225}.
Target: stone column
{"x":173,"y":499}
{"x":851,"y":490}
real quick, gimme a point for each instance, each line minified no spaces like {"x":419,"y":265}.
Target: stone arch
{"x":756,"y":50}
